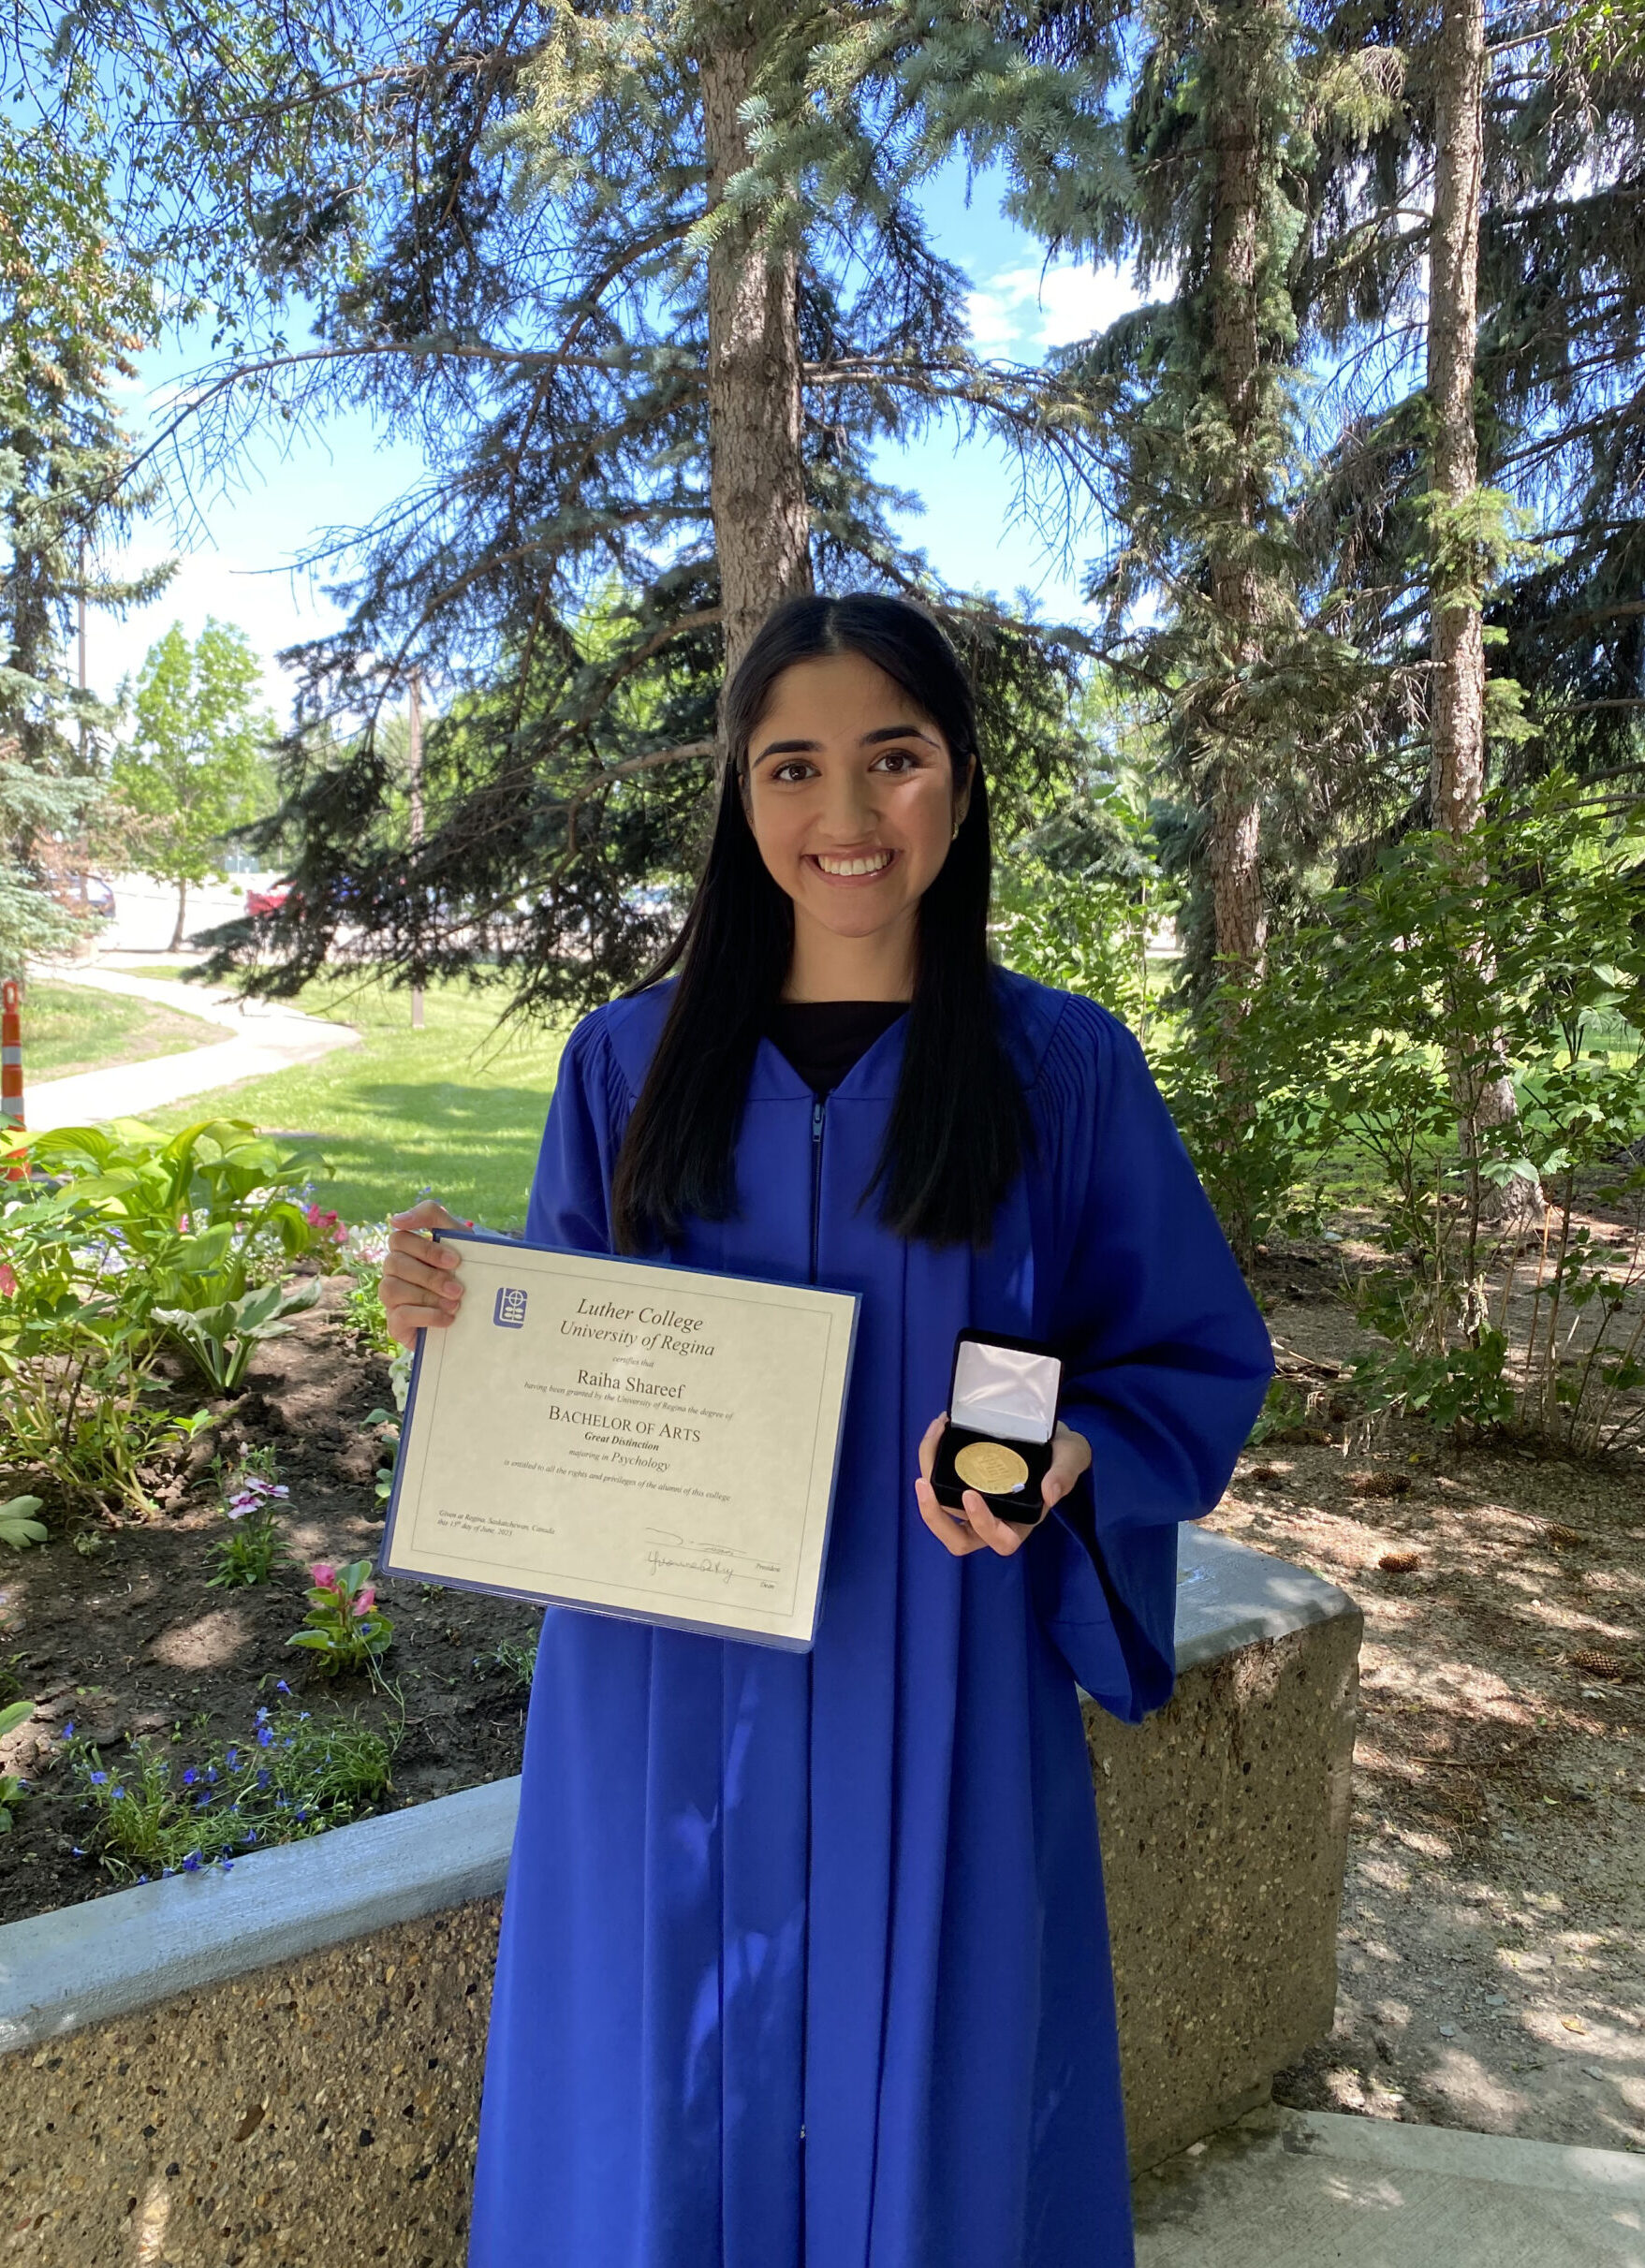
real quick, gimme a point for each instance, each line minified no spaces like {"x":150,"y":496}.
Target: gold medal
{"x":991,"y":1466}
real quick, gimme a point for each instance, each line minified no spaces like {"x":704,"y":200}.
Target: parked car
{"x":259,"y":903}
{"x":86,"y":893}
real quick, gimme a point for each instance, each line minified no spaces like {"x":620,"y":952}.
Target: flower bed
{"x":140,"y":1662}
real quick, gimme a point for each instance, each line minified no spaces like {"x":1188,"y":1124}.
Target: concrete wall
{"x":282,"y":2066}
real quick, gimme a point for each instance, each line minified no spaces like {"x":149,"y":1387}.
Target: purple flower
{"x":117,"y":1794}
{"x":232,"y":1760}
{"x":262,"y":1717}
{"x":75,"y":1852}
{"x":191,"y":1863}
{"x":265,"y":1739}
{"x":201,"y":1802}
{"x":190,"y":1777}
{"x":69,"y":1730}
{"x":98,"y":1779}
{"x":283,"y":1688}
{"x":263,"y":1779}
{"x":227,"y":1864}
{"x":212,"y":1774}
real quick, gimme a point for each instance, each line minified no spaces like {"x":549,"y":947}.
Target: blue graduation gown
{"x":804,"y":1959}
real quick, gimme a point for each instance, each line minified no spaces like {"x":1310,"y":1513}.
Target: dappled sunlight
{"x":1495,"y":1894}
{"x":205,"y":1643}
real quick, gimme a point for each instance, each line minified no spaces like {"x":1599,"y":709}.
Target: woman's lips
{"x":852,"y":870}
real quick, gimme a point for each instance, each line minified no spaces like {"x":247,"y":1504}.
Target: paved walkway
{"x":268,"y":1036}
{"x":1313,"y":2190}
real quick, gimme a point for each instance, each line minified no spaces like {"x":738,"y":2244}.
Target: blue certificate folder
{"x":627,"y":1438}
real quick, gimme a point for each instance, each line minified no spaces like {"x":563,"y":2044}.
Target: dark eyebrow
{"x":869,"y":740}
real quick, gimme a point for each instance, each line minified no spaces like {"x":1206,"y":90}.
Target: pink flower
{"x":366,"y":1599}
{"x":8,"y":1279}
{"x":323,"y":1575}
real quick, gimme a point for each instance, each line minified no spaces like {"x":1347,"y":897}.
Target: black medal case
{"x":1001,"y":1390}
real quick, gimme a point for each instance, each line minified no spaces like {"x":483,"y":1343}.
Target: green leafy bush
{"x":1430,"y":992}
{"x":223,"y":1340}
{"x":81,"y":1402}
{"x":192,"y":1218}
{"x":125,"y":1242}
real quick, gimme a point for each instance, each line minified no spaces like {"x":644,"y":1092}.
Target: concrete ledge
{"x":86,"y":1964}
{"x":1225,"y":1837}
{"x":207,"y":2048}
{"x":1230,"y":1596}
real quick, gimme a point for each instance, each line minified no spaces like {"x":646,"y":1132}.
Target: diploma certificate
{"x":637,"y":1440}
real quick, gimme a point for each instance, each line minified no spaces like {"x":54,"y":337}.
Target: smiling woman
{"x":803,"y":1956}
{"x":853,"y":826}
{"x":850,"y":862}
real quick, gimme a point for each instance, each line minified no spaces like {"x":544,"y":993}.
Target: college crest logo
{"x":509,"y":1311}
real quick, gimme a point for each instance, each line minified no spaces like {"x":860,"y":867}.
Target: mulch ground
{"x":133,"y":1641}
{"x":1493,"y":1939}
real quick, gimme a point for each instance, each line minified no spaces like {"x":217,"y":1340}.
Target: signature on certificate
{"x":667,"y":1539}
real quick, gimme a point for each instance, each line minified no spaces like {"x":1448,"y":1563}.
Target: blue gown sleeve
{"x":1165,"y":1361}
{"x":570,"y":1206}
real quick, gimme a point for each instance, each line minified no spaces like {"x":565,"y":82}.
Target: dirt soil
{"x":1493,"y":1944}
{"x":132,"y":1640}
{"x":1492,"y":1939}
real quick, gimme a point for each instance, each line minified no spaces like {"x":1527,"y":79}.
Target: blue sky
{"x":235,"y":558}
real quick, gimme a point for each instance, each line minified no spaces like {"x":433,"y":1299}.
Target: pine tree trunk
{"x":1236,"y":328}
{"x":1457,"y":699}
{"x":756,"y":473}
{"x":1457,"y":625}
{"x":176,"y":944}
{"x":1236,"y":880}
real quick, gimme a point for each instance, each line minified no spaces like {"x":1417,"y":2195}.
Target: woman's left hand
{"x":976,"y":1528}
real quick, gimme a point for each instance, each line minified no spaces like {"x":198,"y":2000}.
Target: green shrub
{"x":128,"y":1241}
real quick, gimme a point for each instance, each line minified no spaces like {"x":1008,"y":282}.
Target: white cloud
{"x":1022,"y":311}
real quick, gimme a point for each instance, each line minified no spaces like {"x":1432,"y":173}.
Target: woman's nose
{"x":849,"y":812}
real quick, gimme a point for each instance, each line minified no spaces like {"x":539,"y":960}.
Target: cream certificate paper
{"x":640,"y":1441}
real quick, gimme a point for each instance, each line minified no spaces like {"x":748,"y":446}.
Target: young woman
{"x":804,"y":1961}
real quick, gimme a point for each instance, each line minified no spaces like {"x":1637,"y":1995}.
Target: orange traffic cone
{"x":12,"y":1069}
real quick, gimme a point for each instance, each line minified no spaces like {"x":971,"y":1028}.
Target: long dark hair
{"x":959,"y":1124}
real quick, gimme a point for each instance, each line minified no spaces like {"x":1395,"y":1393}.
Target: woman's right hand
{"x":421,"y":1288}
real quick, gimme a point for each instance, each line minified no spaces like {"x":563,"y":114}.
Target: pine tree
{"x":70,"y":315}
{"x":1208,"y":583}
{"x":651,"y":287}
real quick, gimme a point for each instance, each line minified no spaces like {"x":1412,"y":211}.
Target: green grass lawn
{"x":69,"y":1028}
{"x":456,"y":1108}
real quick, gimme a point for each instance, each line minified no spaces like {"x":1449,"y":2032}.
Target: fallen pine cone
{"x":1379,"y":1484}
{"x":1266,"y":1476}
{"x":1594,"y":1663}
{"x":1563,"y":1539}
{"x":1400,"y":1562}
